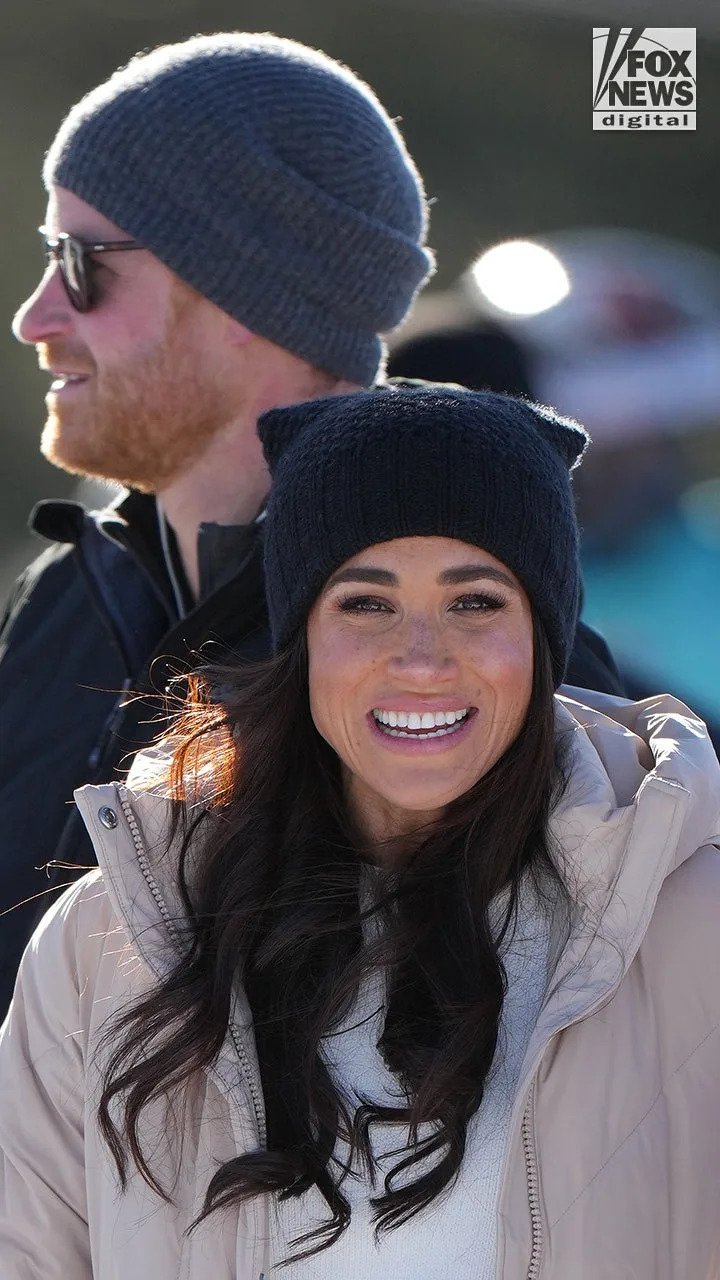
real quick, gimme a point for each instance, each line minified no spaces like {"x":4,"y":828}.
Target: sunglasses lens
{"x":72,"y":265}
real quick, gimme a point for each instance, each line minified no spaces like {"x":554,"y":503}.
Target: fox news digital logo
{"x":644,"y":78}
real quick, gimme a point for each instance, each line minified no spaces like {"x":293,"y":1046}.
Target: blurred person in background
{"x":482,"y":357}
{"x":486,"y":357}
{"x":398,"y":963}
{"x":232,"y":223}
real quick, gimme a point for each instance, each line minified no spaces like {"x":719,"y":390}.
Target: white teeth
{"x":436,"y":723}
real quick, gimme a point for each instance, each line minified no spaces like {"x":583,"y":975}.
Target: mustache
{"x":63,"y":356}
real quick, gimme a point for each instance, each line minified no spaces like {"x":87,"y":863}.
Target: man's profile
{"x":233,"y":223}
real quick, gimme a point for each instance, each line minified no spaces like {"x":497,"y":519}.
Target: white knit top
{"x":455,"y":1237}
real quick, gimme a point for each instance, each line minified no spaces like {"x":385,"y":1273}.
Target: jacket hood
{"x":626,"y":754}
{"x":643,"y":794}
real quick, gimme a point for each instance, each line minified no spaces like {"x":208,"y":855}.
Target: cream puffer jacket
{"x":612,"y":1170}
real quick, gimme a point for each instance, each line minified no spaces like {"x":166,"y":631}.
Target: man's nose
{"x":46,"y":313}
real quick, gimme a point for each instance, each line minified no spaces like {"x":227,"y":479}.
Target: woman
{"x":397,"y":964}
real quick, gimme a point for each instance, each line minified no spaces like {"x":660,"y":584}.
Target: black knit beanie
{"x":268,"y":177}
{"x":490,"y":470}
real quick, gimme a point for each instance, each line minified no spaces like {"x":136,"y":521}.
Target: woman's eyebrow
{"x":472,"y":573}
{"x":449,"y":577}
{"x":363,"y":573}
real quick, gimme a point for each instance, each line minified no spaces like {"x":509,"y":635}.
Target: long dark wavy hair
{"x":278,"y":901}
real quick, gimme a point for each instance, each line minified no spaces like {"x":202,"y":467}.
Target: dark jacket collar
{"x":131,"y":521}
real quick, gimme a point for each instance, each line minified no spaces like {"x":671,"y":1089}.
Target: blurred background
{"x":608,"y":308}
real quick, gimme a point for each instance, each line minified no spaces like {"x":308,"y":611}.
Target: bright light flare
{"x":521,"y":278}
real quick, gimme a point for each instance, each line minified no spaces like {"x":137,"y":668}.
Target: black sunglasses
{"x":74,"y":259}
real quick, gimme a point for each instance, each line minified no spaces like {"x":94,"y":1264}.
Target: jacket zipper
{"x":533,"y":1186}
{"x":532,"y":1171}
{"x":245,"y":1065}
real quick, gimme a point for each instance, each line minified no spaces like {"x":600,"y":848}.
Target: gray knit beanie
{"x":422,"y":461}
{"x":268,"y":177}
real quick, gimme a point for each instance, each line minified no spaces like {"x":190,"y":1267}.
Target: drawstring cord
{"x":169,"y":566}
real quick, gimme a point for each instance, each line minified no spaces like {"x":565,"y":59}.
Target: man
{"x":232,"y":223}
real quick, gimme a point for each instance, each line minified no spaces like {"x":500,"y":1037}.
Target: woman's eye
{"x":363,"y":604}
{"x":478,"y":602}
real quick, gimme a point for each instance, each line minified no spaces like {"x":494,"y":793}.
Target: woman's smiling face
{"x":420,"y":673}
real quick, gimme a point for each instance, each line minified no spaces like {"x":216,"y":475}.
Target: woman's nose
{"x":46,"y":313}
{"x":421,"y":650}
